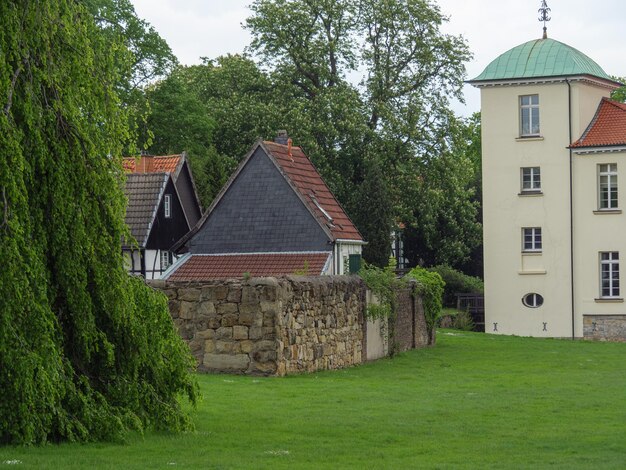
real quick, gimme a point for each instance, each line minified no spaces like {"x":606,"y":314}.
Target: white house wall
{"x":509,"y":273}
{"x":596,"y":232}
{"x":345,"y":249}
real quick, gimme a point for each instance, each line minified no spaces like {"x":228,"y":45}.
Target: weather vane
{"x":544,"y":12}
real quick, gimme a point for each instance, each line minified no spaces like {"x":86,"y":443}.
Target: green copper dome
{"x":541,"y":58}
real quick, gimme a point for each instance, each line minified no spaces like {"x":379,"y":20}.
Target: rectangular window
{"x":529,"y":115}
{"x":167,"y":205}
{"x":531,"y":179}
{"x":166,"y":259}
{"x":531,"y":239}
{"x":609,"y":274}
{"x":607,"y":186}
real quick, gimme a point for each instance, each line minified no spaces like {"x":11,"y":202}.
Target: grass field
{"x":472,"y":401}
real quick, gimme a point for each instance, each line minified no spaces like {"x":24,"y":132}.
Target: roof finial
{"x":543,"y":16}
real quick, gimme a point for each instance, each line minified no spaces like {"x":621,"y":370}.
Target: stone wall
{"x":320,"y":323}
{"x":604,"y":327}
{"x":267,"y":326}
{"x":409,"y":328}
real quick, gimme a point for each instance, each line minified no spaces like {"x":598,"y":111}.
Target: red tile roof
{"x":608,"y":127}
{"x":162,"y":164}
{"x":225,"y":266}
{"x":301,"y":172}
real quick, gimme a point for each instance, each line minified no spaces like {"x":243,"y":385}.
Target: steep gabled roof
{"x":299,"y":170}
{"x":307,"y":184}
{"x":144,"y":192}
{"x":225,"y":266}
{"x":172,"y":164}
{"x":607,"y":128}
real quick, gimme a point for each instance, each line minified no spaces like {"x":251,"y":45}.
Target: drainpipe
{"x":571,"y":205}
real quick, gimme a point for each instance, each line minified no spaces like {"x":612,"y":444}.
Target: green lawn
{"x":473,"y":401}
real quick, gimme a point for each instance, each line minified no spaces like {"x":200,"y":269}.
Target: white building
{"x":553,"y":225}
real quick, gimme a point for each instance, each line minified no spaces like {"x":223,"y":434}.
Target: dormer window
{"x":167,"y":206}
{"x":529,"y":115}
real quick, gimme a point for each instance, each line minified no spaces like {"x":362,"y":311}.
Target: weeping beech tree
{"x":86,"y":352}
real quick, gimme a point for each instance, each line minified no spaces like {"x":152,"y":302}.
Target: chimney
{"x":146,"y":164}
{"x":282,"y":137}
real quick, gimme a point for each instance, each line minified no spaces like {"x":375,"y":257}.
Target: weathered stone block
{"x":226,"y":363}
{"x":209,"y":346}
{"x":214,"y":322}
{"x":187,"y":309}
{"x":246,"y":346}
{"x":234,"y":294}
{"x":205,"y":334}
{"x":264,"y":356}
{"x":224,"y":333}
{"x":224,"y":347}
{"x":269,"y":293}
{"x":230,"y":319}
{"x":249,"y":295}
{"x":206,"y":308}
{"x":171,"y":293}
{"x":190,"y":294}
{"x":264,"y":345}
{"x":269,"y":318}
{"x":264,"y":368}
{"x":174,"y":307}
{"x":269,"y":333}
{"x":251,"y":317}
{"x":228,"y":307}
{"x":220,"y":292}
{"x":240,"y":332}
{"x":208,"y":293}
{"x":255,"y":332}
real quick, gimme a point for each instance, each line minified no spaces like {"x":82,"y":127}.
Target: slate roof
{"x":162,"y":164}
{"x":607,"y":128}
{"x":225,"y":266}
{"x":309,"y":183}
{"x":144,"y":192}
{"x":541,"y":58}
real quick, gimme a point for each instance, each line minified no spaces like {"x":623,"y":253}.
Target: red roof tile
{"x":299,"y":169}
{"x":162,"y":164}
{"x":608,"y":127}
{"x":225,"y":266}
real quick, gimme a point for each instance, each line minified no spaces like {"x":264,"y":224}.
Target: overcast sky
{"x":210,"y":28}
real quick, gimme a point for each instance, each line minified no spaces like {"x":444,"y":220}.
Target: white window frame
{"x":167,"y":206}
{"x":605,"y":201}
{"x":529,"y":104}
{"x":165,"y":259}
{"x":534,"y":236}
{"x":534,"y":179}
{"x":609,"y":274}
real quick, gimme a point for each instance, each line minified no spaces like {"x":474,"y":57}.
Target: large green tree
{"x":215,"y":111}
{"x":620,"y":93}
{"x":86,"y":352}
{"x":398,"y":113}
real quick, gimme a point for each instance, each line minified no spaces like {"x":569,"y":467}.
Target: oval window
{"x":532,"y":300}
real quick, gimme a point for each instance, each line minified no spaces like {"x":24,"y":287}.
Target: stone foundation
{"x":604,"y":327}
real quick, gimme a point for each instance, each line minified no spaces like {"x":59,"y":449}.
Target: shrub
{"x":431,"y":288}
{"x":457,"y":282}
